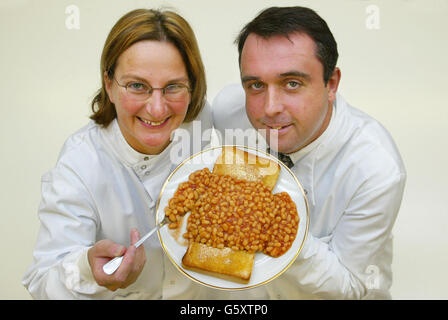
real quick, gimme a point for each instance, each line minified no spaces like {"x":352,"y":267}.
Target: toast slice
{"x":247,"y":166}
{"x":223,"y":261}
{"x":236,"y":264}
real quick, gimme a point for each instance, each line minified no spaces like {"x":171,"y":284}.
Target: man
{"x":346,"y":161}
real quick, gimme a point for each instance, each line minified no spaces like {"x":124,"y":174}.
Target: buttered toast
{"x":236,"y":263}
{"x":247,"y":166}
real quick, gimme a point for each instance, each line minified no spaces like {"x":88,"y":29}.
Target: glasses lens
{"x":176,"y":92}
{"x":137,"y":91}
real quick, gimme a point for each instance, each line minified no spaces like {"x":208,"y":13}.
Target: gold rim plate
{"x":265,"y":268}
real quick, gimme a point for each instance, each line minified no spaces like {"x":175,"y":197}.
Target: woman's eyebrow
{"x":136,"y":77}
{"x":180,"y":79}
{"x":133,"y":76}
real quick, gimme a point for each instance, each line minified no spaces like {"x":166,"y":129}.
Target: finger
{"x":140,"y":256}
{"x":131,"y":266}
{"x":101,"y":253}
{"x":126,"y":267}
{"x":108,"y":248}
{"x":135,"y":236}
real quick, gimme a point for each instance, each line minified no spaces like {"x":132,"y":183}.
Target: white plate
{"x":265,"y":267}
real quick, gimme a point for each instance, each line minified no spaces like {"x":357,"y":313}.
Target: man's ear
{"x":108,"y":86}
{"x":333,"y":83}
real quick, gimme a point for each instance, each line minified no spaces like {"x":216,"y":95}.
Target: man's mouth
{"x":277,"y":126}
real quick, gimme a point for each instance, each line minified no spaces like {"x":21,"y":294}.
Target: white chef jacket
{"x":101,"y":188}
{"x":354,"y":179}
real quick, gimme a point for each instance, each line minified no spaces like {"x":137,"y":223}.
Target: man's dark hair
{"x":284,"y":21}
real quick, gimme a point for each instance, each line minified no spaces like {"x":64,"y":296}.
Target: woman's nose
{"x":156,"y":105}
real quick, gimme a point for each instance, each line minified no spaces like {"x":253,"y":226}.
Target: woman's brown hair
{"x":149,"y":24}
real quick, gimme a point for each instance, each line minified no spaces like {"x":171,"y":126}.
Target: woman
{"x":106,"y":182}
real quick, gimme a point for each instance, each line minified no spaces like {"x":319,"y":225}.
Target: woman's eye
{"x":137,"y":86}
{"x":173,"y":88}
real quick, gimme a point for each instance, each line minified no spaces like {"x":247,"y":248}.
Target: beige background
{"x":396,"y":72}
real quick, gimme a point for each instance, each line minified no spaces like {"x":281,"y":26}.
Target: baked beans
{"x":239,"y":214}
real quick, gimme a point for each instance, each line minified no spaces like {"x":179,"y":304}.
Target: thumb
{"x":135,"y":236}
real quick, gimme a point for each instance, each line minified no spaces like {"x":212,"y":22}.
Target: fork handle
{"x":146,"y":236}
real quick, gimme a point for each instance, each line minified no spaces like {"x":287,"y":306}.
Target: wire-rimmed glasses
{"x":174,"y":92}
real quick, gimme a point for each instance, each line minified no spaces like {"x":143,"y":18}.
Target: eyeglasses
{"x":139,"y":91}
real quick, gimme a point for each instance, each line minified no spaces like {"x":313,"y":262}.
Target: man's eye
{"x":137,"y":87}
{"x":292,"y":84}
{"x":256,"y":86}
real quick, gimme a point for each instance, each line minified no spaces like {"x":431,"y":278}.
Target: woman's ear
{"x":108,"y":86}
{"x":333,"y":84}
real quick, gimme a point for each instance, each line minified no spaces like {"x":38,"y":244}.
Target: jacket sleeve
{"x":68,"y":228}
{"x":354,"y":262}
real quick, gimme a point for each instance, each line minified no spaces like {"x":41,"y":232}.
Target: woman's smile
{"x":153,"y":124}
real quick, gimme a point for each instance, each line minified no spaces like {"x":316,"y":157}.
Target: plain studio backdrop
{"x":393,"y":61}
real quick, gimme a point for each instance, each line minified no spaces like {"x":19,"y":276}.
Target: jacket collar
{"x":141,"y":162}
{"x":121,"y":147}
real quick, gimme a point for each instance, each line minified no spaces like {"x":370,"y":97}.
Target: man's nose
{"x":273,"y":102}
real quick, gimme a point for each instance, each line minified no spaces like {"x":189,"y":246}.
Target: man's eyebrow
{"x":294,"y":73}
{"x":249,"y":78}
